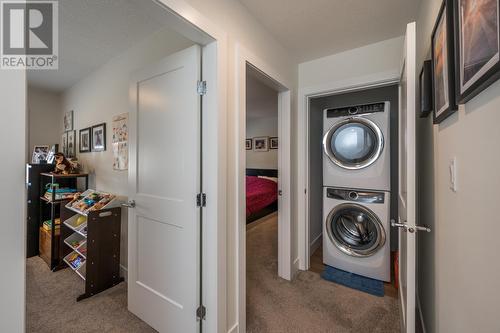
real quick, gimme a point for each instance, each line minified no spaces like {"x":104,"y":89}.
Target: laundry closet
{"x":353,"y":181}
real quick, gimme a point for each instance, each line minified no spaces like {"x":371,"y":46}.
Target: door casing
{"x":285,"y":236}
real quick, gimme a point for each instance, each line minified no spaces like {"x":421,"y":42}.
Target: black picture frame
{"x":98,"y":140}
{"x":444,"y":20}
{"x":82,"y":148}
{"x":425,"y":89}
{"x":488,"y":72}
{"x":248,"y":144}
{"x":273,"y":142}
{"x":71,"y":144}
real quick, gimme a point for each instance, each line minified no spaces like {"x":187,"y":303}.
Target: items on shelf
{"x":53,"y":191}
{"x":90,"y":200}
{"x":65,"y":166}
{"x":47,"y":225}
{"x":75,"y":260}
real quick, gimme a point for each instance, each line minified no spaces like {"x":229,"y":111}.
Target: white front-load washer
{"x":356,"y":146}
{"x":356,"y":231}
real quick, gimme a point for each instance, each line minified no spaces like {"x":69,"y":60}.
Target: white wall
{"x":12,"y":200}
{"x":44,"y":118}
{"x":105,"y":93}
{"x":243,"y":28}
{"x":374,"y":62}
{"x":458,"y":289}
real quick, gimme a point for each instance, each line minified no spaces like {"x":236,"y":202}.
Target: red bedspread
{"x":261,"y":193}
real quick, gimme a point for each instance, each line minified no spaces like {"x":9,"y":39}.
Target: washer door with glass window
{"x":355,"y":230}
{"x":353,"y":143}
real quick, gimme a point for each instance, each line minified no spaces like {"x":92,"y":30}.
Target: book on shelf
{"x":47,"y":225}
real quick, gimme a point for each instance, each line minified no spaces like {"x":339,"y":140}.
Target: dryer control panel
{"x":356,"y":110}
{"x":355,"y":195}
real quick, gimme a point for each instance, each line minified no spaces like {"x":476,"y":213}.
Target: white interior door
{"x":407,"y":177}
{"x":164,"y":179}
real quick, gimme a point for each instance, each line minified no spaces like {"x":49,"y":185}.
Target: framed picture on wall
{"x":68,"y":121}
{"x":261,"y":143}
{"x":273,"y":143}
{"x":248,"y":144}
{"x":477,"y":35}
{"x":443,"y":67}
{"x":85,"y":140}
{"x":425,"y":89}
{"x":64,"y":141}
{"x":99,"y":137}
{"x":71,"y":144}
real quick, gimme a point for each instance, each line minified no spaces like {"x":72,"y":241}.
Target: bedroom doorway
{"x":263,"y":208}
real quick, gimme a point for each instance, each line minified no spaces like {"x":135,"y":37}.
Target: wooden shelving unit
{"x":50,"y":244}
{"x":96,"y":242}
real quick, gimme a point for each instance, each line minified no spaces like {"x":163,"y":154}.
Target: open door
{"x":407,"y":180}
{"x":164,"y":182}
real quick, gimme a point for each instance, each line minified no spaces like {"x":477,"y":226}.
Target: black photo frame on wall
{"x":443,"y":64}
{"x":425,"y":89}
{"x":98,"y":137}
{"x":477,"y":49}
{"x":85,"y":140}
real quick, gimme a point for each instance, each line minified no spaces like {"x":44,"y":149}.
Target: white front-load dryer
{"x":356,"y":231}
{"x":356,"y":146}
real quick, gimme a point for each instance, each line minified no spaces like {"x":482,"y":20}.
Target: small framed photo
{"x":477,"y":40}
{"x":273,"y":143}
{"x":40,"y":154}
{"x":68,"y":121}
{"x":261,"y":143}
{"x":99,"y":137}
{"x":71,"y":144}
{"x":425,"y":89}
{"x":248,"y":144}
{"x":54,"y":149}
{"x":85,"y":140}
{"x":64,"y":141}
{"x":443,"y":64}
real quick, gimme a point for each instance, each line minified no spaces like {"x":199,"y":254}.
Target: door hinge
{"x":202,"y":88}
{"x":201,"y":200}
{"x":201,"y":312}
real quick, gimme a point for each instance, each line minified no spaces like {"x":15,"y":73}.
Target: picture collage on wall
{"x":261,"y":143}
{"x":465,"y":48}
{"x":93,"y":139}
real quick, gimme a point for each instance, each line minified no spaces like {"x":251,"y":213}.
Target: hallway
{"x":309,"y":303}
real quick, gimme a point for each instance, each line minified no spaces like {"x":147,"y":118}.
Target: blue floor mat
{"x":351,"y":280}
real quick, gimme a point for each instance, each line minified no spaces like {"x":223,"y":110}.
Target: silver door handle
{"x":129,"y":204}
{"x":410,"y":229}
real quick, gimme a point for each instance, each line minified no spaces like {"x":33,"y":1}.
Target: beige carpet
{"x":52,"y":307}
{"x":309,"y":303}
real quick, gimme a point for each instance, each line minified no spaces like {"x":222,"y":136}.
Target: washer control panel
{"x":356,"y":195}
{"x":356,"y":110}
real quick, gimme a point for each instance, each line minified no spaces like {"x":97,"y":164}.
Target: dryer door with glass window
{"x":355,"y":230}
{"x":353,"y":143}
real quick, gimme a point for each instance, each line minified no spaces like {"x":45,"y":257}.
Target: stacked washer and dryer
{"x":356,"y":189}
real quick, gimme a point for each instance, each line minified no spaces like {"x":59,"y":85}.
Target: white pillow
{"x":274,"y":179}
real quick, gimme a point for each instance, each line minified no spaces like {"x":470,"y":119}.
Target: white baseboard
{"x":315,"y":244}
{"x":233,"y":329}
{"x":124,"y":272}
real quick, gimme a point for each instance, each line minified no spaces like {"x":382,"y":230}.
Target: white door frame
{"x":305,"y":95}
{"x":285,"y":241}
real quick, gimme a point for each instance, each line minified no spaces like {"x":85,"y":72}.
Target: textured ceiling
{"x":91,"y":32}
{"x":317,"y":28}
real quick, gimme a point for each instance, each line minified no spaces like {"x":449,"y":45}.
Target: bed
{"x":261,"y":193}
